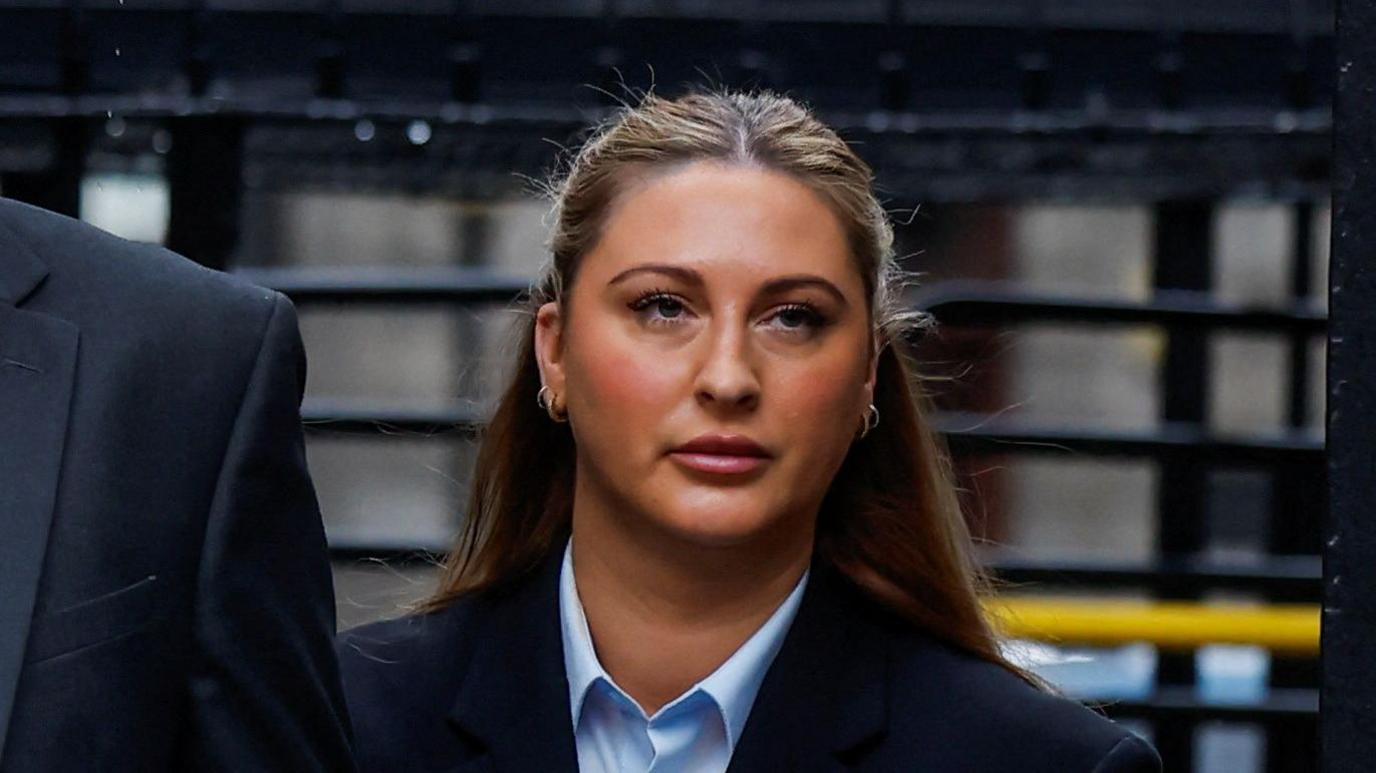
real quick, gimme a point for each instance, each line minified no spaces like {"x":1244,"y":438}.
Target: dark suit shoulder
{"x":98,"y":278}
{"x":1009,"y":724}
{"x":148,"y":316}
{"x":400,"y":678}
{"x":404,"y":643}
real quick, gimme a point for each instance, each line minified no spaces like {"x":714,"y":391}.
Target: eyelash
{"x":815,"y":319}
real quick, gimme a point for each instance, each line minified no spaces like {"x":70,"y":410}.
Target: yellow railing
{"x":1288,"y":628}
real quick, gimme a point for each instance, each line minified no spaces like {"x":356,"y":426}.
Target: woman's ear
{"x":549,"y":346}
{"x":872,"y":377}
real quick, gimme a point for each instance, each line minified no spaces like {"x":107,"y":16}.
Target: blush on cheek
{"x":820,"y":395}
{"x":624,"y":382}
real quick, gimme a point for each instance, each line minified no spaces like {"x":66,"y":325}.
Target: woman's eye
{"x":801,"y":318}
{"x":798,"y":317}
{"x":659,"y":307}
{"x":668,"y":308}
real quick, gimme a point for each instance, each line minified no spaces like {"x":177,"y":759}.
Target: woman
{"x":710,"y":525}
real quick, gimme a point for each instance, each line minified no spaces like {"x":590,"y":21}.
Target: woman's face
{"x":714,"y":355}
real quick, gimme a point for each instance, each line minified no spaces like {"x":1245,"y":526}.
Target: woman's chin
{"x":716,"y":526}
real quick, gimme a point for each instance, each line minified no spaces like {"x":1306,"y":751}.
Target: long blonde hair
{"x":890,"y":521}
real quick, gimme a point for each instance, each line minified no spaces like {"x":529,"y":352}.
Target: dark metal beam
{"x":389,"y":285}
{"x":989,"y":303}
{"x":1293,"y":578}
{"x":1297,"y":506}
{"x":205,"y":182}
{"x":1297,"y":576}
{"x":1349,"y":618}
{"x":950,"y":155}
{"x":1183,"y":260}
{"x":1182,"y":440}
{"x":966,"y":303}
{"x":966,"y":434}
{"x":1179,"y":704}
{"x":56,"y":185}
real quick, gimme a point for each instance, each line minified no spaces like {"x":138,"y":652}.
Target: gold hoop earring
{"x":871,"y":420}
{"x":545,"y":399}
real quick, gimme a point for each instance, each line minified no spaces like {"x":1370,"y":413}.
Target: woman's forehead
{"x":717,"y":219}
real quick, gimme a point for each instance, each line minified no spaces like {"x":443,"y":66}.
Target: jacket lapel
{"x":23,"y":269}
{"x":37,"y":366}
{"x":514,"y":698}
{"x":826,"y":694}
{"x":824,"y":698}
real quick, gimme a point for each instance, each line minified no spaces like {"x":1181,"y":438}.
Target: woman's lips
{"x":720,"y":464}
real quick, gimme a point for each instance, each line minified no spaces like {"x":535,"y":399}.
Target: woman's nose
{"x":727,"y":378}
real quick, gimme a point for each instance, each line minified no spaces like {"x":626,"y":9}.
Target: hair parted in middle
{"x":890,"y":522}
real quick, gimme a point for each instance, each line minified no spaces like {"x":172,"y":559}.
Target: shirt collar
{"x":581,"y":665}
{"x":732,"y":686}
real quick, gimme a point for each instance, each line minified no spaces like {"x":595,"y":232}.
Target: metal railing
{"x":1180,"y":105}
{"x":1288,"y":711}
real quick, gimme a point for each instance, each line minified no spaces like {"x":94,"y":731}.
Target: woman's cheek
{"x":821,"y":392}
{"x":621,"y":379}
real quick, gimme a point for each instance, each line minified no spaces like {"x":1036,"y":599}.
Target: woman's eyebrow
{"x":773,"y":286}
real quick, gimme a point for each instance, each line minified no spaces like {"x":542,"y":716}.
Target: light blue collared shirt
{"x":694,"y":733}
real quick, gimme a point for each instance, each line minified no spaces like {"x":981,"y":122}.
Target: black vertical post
{"x":1348,"y":697}
{"x":475,"y":229}
{"x":199,"y":20}
{"x":1301,"y":285}
{"x":1296,"y":512}
{"x":465,"y":58}
{"x":1299,"y":504}
{"x":57,"y":187}
{"x":329,"y":52}
{"x":205,"y":188}
{"x":1035,"y":59}
{"x":1184,"y":261}
{"x":608,"y":59}
{"x":895,"y":81}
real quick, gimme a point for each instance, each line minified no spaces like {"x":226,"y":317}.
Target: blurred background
{"x":1119,"y":210}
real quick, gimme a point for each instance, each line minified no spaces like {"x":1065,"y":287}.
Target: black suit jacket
{"x":480,"y":686}
{"x":165,"y":597}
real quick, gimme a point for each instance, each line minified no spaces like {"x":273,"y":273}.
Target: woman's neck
{"x":664,"y":614}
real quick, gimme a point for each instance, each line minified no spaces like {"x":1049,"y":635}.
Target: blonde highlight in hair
{"x":890,"y":521}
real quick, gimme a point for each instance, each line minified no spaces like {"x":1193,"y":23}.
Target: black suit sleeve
{"x":266,"y":695}
{"x":1130,"y":755}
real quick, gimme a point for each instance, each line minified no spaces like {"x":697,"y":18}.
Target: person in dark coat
{"x":710,"y":527}
{"x":165,"y":594}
